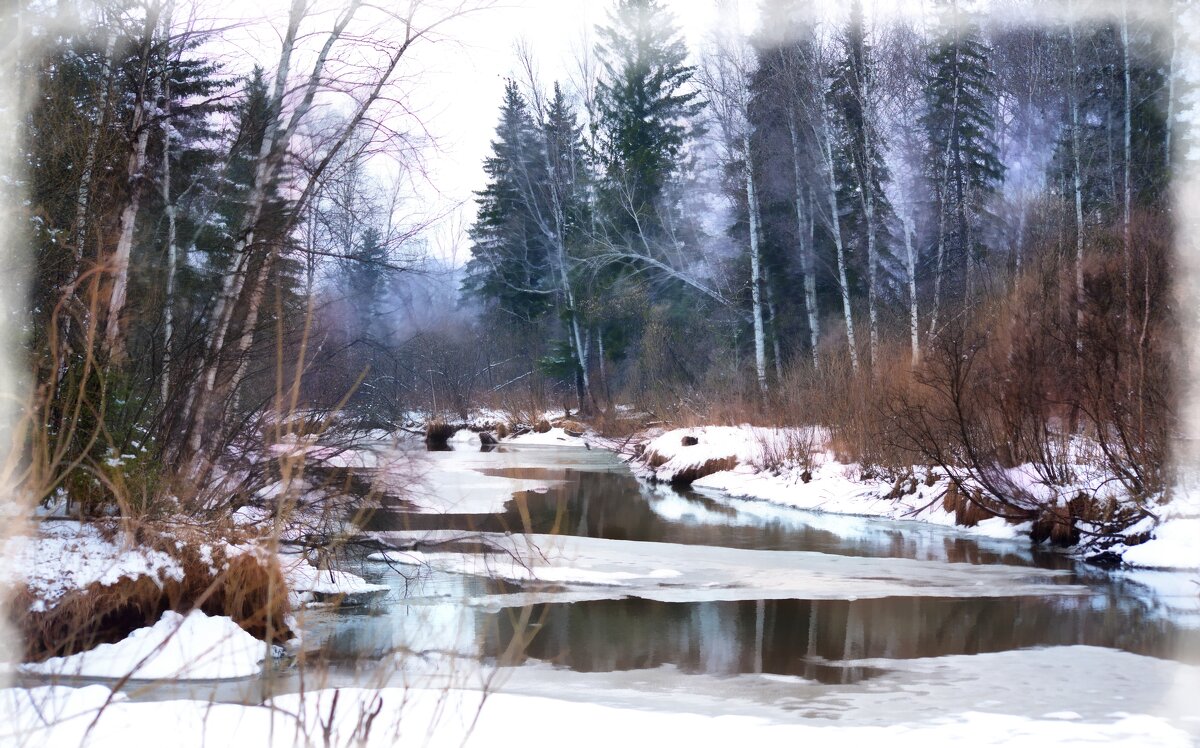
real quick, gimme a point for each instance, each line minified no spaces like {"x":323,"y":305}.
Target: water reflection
{"x":616,"y":506}
{"x":830,"y":641}
{"x":815,"y":639}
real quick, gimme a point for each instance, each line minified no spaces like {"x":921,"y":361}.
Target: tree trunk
{"x":868,"y":196}
{"x":914,"y":320}
{"x":145,"y":100}
{"x":1127,"y":187}
{"x":1172,"y":67}
{"x":83,"y":196}
{"x":270,"y":158}
{"x":941,"y":191}
{"x":84,"y":191}
{"x":775,"y":344}
{"x":835,"y":223}
{"x":760,"y":351}
{"x":804,"y":234}
{"x":1078,"y":185}
{"x":172,"y":247}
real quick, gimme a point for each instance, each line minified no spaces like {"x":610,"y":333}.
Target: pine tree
{"x":643,"y":110}
{"x":509,"y":268}
{"x":567,"y":203}
{"x":962,"y":163}
{"x":862,"y":171}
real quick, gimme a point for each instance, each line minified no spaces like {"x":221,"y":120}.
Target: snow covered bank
{"x":64,"y":557}
{"x":793,"y":467}
{"x":310,"y":584}
{"x":178,"y":647}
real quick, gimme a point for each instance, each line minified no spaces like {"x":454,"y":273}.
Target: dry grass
{"x":791,"y":448}
{"x":969,"y":507}
{"x":438,"y":433}
{"x":686,"y":476}
{"x":249,"y":588}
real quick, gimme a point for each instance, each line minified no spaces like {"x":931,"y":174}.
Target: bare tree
{"x":239,"y":303}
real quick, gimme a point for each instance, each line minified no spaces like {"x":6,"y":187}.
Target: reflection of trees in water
{"x":616,"y":506}
{"x":806,"y":637}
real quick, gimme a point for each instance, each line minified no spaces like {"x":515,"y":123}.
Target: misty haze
{"x":604,"y":372}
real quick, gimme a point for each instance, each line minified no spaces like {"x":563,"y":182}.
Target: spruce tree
{"x":862,"y":170}
{"x":962,"y":163}
{"x":509,"y":266}
{"x":643,"y":108}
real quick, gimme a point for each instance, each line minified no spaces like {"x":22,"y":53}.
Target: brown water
{"x":616,"y":506}
{"x":821,"y":640}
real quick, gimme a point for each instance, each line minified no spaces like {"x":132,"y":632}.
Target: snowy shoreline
{"x":744,"y":462}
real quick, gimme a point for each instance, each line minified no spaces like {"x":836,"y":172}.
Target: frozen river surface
{"x":553,"y":572}
{"x":597,"y":609}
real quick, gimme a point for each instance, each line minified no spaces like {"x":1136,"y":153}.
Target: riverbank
{"x":795,"y":467}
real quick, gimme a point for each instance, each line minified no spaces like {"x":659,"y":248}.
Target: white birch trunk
{"x":270,"y":159}
{"x":172,"y":246}
{"x":775,"y":344}
{"x":914,"y":320}
{"x":760,"y":349}
{"x":84,"y":191}
{"x":804,"y":233}
{"x":835,"y":223}
{"x":120,"y":257}
{"x":1078,"y":184}
{"x":868,"y":193}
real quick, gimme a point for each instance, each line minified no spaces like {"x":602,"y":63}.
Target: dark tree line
{"x":874,"y":179}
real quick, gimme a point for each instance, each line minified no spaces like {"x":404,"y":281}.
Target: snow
{"x":555,"y":437}
{"x":715,"y":444}
{"x":452,"y":482}
{"x":195,"y":646}
{"x":668,"y":572}
{"x":464,"y":437}
{"x":67,"y":556}
{"x":832,"y":489}
{"x":792,"y":467}
{"x":455,"y":717}
{"x":307,"y":582}
{"x":1175,"y":545}
{"x":514,"y":569}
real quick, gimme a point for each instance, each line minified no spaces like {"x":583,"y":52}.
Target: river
{"x":647,"y":597}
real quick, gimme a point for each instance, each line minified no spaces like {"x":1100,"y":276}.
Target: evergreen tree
{"x":365,"y":277}
{"x":962,"y":163}
{"x":643,"y":108}
{"x":509,"y":268}
{"x":862,"y":170}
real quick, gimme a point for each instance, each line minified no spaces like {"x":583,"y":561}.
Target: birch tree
{"x":725,"y":79}
{"x":240,"y":299}
{"x":856,"y":100}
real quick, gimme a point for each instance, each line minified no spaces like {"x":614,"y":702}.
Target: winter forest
{"x":906,"y":260}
